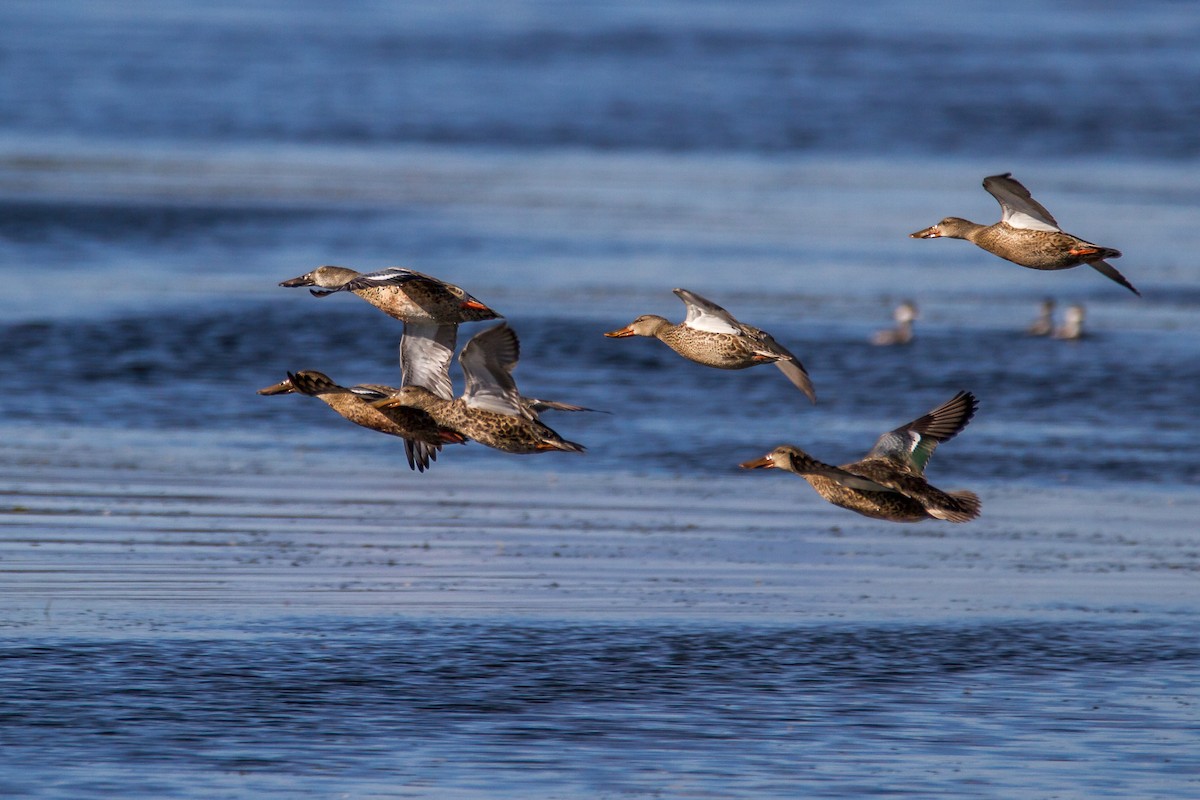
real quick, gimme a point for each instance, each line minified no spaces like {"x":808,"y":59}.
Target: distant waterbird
{"x":1072,"y":326}
{"x":1043,"y":325}
{"x":904,"y":315}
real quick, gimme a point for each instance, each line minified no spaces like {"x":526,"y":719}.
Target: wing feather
{"x":912,"y":444}
{"x":1017,"y":206}
{"x":426,"y":349}
{"x":488,"y":360}
{"x":705,"y":315}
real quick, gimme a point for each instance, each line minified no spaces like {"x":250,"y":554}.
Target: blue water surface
{"x":164,"y":165}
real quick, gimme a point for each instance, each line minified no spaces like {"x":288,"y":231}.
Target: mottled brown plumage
{"x":423,"y":437}
{"x":510,"y":433}
{"x":401,"y":293}
{"x":889,"y":482}
{"x":710,"y":335}
{"x":1027,"y":234}
{"x":491,"y":410}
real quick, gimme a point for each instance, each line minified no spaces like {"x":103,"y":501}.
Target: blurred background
{"x":163,"y":165}
{"x":209,"y":593}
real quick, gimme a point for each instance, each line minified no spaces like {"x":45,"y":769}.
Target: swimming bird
{"x":401,"y":293}
{"x":1044,"y":324}
{"x":709,"y":335}
{"x":490,"y":411}
{"x":904,"y":315}
{"x":889,"y":482}
{"x":1072,"y":327}
{"x":423,"y":437}
{"x":1027,"y":234}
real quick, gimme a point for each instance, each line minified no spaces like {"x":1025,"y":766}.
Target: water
{"x":473,"y":709}
{"x":207,"y":593}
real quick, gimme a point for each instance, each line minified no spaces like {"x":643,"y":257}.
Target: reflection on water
{"x":605,"y":710}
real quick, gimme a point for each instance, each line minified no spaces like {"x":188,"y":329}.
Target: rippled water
{"x":1074,"y":399}
{"x":208,"y":593}
{"x":944,"y":78}
{"x":396,"y":707}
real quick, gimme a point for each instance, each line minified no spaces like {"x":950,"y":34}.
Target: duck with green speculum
{"x":710,"y":335}
{"x":889,"y":482}
{"x":1027,"y":234}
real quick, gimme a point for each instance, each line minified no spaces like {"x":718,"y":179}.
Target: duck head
{"x":786,"y":457}
{"x":953,"y":227}
{"x":645,"y":325}
{"x":325,"y":277}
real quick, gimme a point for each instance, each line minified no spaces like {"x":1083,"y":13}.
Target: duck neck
{"x":965,"y":229}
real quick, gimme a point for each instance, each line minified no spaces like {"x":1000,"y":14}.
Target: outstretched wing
{"x":912,"y":445}
{"x":425,"y":352}
{"x":705,"y":315}
{"x":537,"y":406}
{"x":392,"y":276}
{"x":1017,"y":206}
{"x":488,"y":360}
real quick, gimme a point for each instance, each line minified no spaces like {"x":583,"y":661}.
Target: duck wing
{"x":426,"y":349}
{"x":705,"y":315}
{"x":857,"y":482}
{"x":787,"y":362}
{"x":912,"y":444}
{"x":371,"y":392}
{"x":959,"y":506}
{"x":488,"y":360}
{"x":538,"y":405}
{"x":392,"y":276}
{"x":1017,"y":206}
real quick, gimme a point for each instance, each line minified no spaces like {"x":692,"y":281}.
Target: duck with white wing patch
{"x":710,"y":335}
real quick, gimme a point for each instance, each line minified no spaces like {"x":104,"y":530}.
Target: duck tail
{"x":451,"y":436}
{"x":795,"y":372}
{"x":963,"y":506}
{"x":1110,"y":272}
{"x":561,"y":444}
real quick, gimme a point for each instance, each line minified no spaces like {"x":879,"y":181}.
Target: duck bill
{"x":474,"y":304}
{"x":283,"y":387}
{"x":931,"y":232}
{"x":759,"y":463}
{"x":303,"y":280}
{"x":620,"y":333}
